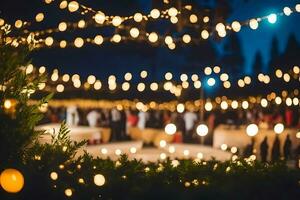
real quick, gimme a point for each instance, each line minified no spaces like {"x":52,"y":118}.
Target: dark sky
{"x":103,"y":62}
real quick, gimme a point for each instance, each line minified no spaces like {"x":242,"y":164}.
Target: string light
{"x":272,"y":18}
{"x":252,"y":130}
{"x":170,"y":129}
{"x":202,"y":130}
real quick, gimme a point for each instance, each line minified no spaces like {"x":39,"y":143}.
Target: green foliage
{"x":133,"y":179}
{"x":17,"y":124}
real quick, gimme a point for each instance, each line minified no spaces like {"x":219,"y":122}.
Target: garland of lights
{"x":134,"y":32}
{"x":209,"y":104}
{"x":168,"y":85}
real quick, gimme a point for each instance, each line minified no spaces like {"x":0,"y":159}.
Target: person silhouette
{"x":287,"y":147}
{"x":264,"y":150}
{"x":249,"y":149}
{"x":276,"y":149}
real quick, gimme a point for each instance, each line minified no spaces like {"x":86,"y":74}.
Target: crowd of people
{"x":119,"y":121}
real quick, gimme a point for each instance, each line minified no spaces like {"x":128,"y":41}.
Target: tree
{"x":291,"y":53}
{"x":232,"y":59}
{"x":257,"y":66}
{"x":17,"y":117}
{"x":274,"y":55}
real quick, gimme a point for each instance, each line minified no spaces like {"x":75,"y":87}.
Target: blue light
{"x":272,"y":18}
{"x":211,"y":81}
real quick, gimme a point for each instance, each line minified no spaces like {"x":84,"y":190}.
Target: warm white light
{"x":42,"y":69}
{"x":98,"y":39}
{"x":193,"y":18}
{"x":116,"y":38}
{"x":172,"y":149}
{"x":202,"y":130}
{"x":104,"y":151}
{"x":183,"y":77}
{"x":287,"y":11}
{"x":128,"y":76}
{"x":186,"y":38}
{"x":208,"y":106}
{"x":138,"y":17}
{"x":168,"y":40}
{"x":7,"y":104}
{"x":224,"y":105}
{"x":134,"y":32}
{"x":97,"y":85}
{"x":81,"y":24}
{"x":63,"y":44}
{"x":295,"y":101}
{"x":220,"y":27}
{"x":264,"y":103}
{"x":233,"y":150}
{"x":278,"y":73}
{"x":91,"y":79}
{"x":141,"y":87}
{"x":186,"y":152}
{"x":168,"y":76}
{"x":153,"y":37}
{"x":60,"y":88}
{"x":118,"y":152}
{"x":296,"y":69}
{"x":144,"y":74}
{"x":224,"y":147}
{"x":163,"y":156}
{"x":29,"y":69}
{"x":155,"y":13}
{"x":200,"y":155}
{"x":54,"y":176}
{"x":204,"y":34}
{"x":298,"y":135}
{"x":132,"y":150}
{"x":78,"y":42}
{"x":180,"y":108}
{"x":234,"y":104}
{"x":252,"y":130}
{"x":197,"y":84}
{"x":73,"y":6}
{"x":49,"y":41}
{"x":236,"y":26}
{"x":288,"y":101}
{"x":172,"y":12}
{"x":170,"y":129}
{"x":278,"y":100}
{"x":207,"y":70}
{"x":54,"y":77}
{"x":253,"y":24}
{"x":154,"y":86}
{"x":99,"y":179}
{"x":227,"y":84}
{"x":117,"y":20}
{"x":162,"y":143}
{"x":241,"y":83}
{"x":279,"y":128}
{"x":39,"y":17}
{"x":224,"y":77}
{"x":286,"y":77}
{"x":216,"y":69}
{"x":125,"y":86}
{"x":68,"y":192}
{"x":245,"y":104}
{"x":100,"y":17}
{"x":297,"y":7}
{"x":173,"y":20}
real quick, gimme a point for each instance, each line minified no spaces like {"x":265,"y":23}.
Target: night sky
{"x":117,"y":60}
